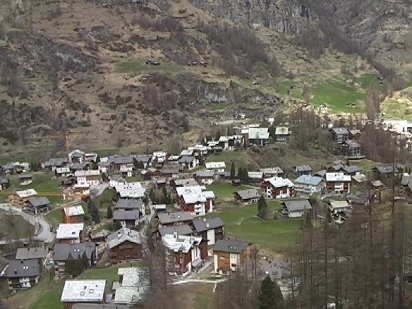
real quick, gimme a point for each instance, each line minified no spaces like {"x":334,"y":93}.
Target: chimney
{"x":175,"y":234}
{"x":15,"y":271}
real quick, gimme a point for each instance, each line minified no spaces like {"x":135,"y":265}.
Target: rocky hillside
{"x":132,"y":74}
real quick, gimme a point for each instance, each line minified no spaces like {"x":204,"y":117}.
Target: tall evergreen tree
{"x":267,"y":295}
{"x":109,"y":213}
{"x":232,"y":171}
{"x":262,"y":203}
{"x":85,"y":261}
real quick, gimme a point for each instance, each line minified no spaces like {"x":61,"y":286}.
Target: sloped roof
{"x":297,"y":205}
{"x":77,"y":291}
{"x":248,"y":194}
{"x":181,"y":243}
{"x":38,"y":201}
{"x":282,"y":131}
{"x":31,"y":253}
{"x":124,"y":203}
{"x":308,"y":180}
{"x":230,"y":246}
{"x":279,"y":182}
{"x":134,"y":286}
{"x":23,"y":268}
{"x":69,"y":231}
{"x":122,"y":235}
{"x":206,"y":224}
{"x":122,"y":214}
{"x":183,"y":229}
{"x":166,"y":218}
{"x":61,"y":252}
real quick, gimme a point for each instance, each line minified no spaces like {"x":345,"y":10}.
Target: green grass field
{"x":336,"y":95}
{"x":14,"y":227}
{"x":55,"y":217}
{"x":46,"y":184}
{"x":139,"y":66}
{"x":275,"y":235}
{"x":241,"y":158}
{"x":224,"y":191}
{"x":51,"y":298}
{"x":334,"y":92}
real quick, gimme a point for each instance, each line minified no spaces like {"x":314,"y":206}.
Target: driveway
{"x":42,"y":229}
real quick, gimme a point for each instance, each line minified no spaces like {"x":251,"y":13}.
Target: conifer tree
{"x":267,"y":295}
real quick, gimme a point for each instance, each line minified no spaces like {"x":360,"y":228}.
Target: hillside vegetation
{"x":133,"y":73}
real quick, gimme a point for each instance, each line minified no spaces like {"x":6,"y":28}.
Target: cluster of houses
{"x":191,"y":235}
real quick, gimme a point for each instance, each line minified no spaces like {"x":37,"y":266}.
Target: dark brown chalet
{"x":73,"y":214}
{"x":124,"y":245}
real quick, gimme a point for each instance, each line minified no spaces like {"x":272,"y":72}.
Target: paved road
{"x":42,"y":227}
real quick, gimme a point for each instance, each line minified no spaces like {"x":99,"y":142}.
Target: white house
{"x":69,"y":233}
{"x":91,"y":177}
{"x":307,"y":184}
{"x":215,"y":166}
{"x":195,"y":200}
{"x":133,"y":190}
{"x":278,"y":187}
{"x":83,"y":291}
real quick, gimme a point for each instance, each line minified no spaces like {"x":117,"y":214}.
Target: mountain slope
{"x":75,"y":73}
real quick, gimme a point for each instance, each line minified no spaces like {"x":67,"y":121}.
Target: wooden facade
{"x":125,"y":251}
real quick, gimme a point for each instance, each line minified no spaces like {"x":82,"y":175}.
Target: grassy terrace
{"x":334,"y":92}
{"x":14,"y":227}
{"x":55,"y":217}
{"x":139,"y":66}
{"x":44,"y":183}
{"x":225,"y":191}
{"x":275,"y":236}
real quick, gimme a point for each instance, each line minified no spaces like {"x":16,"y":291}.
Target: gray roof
{"x":4,"y":181}
{"x":77,"y":166}
{"x":61,"y":252}
{"x":38,"y":201}
{"x":297,"y":205}
{"x":169,"y":170}
{"x":248,"y":194}
{"x":56,"y":162}
{"x":186,"y":159}
{"x":183,"y":229}
{"x":166,"y":218}
{"x":303,"y":168}
{"x":125,"y":203}
{"x":23,"y":268}
{"x":206,"y":224}
{"x":31,"y":253}
{"x":308,"y":180}
{"x":386,"y":169}
{"x":231,"y":246}
{"x":143,"y":158}
{"x":351,"y":169}
{"x":205,"y":174}
{"x":122,"y":235}
{"x":122,"y":214}
{"x":121,"y":159}
{"x":358,"y":198}
{"x":321,"y":173}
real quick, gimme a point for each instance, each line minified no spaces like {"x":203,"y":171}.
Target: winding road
{"x":42,"y":227}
